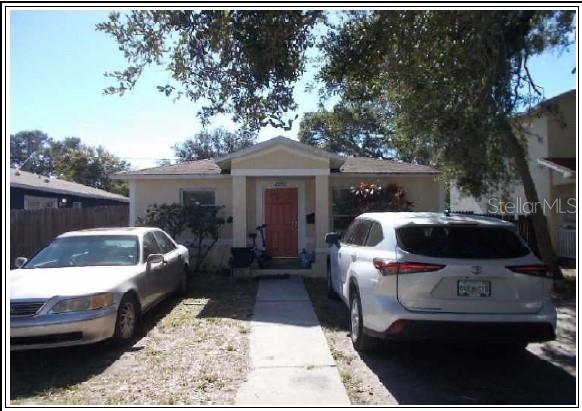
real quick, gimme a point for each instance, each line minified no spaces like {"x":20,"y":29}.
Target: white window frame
{"x":49,"y":200}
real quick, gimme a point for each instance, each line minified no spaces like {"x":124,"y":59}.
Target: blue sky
{"x":57,"y":62}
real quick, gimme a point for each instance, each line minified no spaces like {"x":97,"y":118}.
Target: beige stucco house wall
{"x":239,"y":182}
{"x":551,"y":149}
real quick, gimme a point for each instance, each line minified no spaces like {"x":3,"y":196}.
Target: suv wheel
{"x":361,"y":341}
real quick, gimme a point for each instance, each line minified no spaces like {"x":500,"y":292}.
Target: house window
{"x":202,"y":197}
{"x":342,"y":208}
{"x":37,"y":203}
{"x":77,"y":204}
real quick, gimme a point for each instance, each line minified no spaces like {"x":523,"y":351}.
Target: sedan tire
{"x":128,"y":316}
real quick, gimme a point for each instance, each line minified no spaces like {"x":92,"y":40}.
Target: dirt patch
{"x":191,"y":351}
{"x":433,"y":374}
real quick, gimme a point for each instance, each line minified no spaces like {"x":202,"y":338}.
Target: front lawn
{"x":191,"y":351}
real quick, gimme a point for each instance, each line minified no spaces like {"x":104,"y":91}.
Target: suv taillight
{"x":538,"y":270}
{"x":390,"y":267}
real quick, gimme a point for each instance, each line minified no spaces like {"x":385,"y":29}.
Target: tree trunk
{"x":539,"y":221}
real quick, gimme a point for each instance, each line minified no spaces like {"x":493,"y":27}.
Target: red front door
{"x":281,"y":220}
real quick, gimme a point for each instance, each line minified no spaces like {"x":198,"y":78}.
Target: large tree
{"x":69,"y":159}
{"x":213,"y":144}
{"x":359,"y":130}
{"x":30,"y":151}
{"x":451,"y":81}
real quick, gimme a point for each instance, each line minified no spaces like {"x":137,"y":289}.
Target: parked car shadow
{"x":34,"y":371}
{"x":425,"y":373}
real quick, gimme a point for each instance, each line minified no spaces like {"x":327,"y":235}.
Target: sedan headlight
{"x":88,"y":302}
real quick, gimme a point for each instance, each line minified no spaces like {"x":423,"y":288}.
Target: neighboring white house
{"x":552,"y":161}
{"x":298,"y":190}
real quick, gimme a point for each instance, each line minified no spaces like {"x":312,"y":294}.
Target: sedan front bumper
{"x":62,"y":330}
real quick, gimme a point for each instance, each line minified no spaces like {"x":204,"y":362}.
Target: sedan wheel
{"x":127,"y":319}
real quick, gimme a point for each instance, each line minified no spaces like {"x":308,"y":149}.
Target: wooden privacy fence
{"x":32,"y":229}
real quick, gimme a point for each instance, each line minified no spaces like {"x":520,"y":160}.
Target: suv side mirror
{"x":333,"y":238}
{"x":155,"y":259}
{"x":20,"y":261}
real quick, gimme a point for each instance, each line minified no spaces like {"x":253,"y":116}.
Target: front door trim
{"x":264,"y":184}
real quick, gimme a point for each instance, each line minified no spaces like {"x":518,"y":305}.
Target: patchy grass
{"x":362,"y":385}
{"x":190,"y":351}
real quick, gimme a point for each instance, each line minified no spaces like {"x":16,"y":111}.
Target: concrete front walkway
{"x":290,"y":361}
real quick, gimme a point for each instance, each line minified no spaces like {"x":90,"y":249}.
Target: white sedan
{"x":91,"y":285}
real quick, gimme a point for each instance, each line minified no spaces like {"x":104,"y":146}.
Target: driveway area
{"x":191,"y":351}
{"x":440,"y":374}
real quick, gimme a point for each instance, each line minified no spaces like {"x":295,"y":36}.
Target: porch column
{"x":322,"y":208}
{"x":239,"y":211}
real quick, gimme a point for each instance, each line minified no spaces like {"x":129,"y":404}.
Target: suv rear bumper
{"x":467,"y":331}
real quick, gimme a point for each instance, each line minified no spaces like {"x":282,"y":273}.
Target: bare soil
{"x":191,"y":351}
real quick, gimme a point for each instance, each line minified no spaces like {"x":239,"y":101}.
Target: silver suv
{"x":435,"y":276}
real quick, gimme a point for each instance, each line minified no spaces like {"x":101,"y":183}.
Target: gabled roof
{"x":335,"y":160}
{"x":31,"y":181}
{"x":338,"y":164}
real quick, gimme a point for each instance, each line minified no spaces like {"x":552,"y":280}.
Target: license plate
{"x":474,"y":288}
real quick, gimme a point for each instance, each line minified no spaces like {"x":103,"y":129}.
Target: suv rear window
{"x":461,"y":242}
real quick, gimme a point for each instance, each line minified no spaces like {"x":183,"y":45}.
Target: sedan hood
{"x":49,"y":282}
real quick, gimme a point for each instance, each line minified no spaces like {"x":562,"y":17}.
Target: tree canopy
{"x":358,"y":131}
{"x":213,"y":144}
{"x":69,"y":159}
{"x":449,"y":80}
{"x":241,"y":62}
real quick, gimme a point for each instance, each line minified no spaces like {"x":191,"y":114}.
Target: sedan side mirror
{"x":333,"y":238}
{"x":155,"y":259}
{"x":20,"y":261}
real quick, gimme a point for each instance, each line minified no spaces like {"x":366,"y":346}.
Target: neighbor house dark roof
{"x":31,"y":181}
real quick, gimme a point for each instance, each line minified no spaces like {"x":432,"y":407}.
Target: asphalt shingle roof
{"x":356,"y":165}
{"x":31,"y":181}
{"x":377,"y":166}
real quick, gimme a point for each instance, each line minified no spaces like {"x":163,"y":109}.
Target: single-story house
{"x":296,"y":189}
{"x":31,"y":191}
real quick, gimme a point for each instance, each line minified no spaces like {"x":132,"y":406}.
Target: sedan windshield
{"x":86,"y":251}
